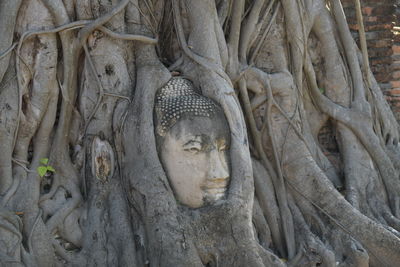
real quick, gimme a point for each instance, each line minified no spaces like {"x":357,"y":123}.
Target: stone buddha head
{"x":193,"y":141}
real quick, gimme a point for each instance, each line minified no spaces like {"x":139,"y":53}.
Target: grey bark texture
{"x":78,"y":81}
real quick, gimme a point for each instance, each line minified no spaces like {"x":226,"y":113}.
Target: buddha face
{"x":194,"y":153}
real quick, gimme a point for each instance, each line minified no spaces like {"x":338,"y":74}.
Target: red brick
{"x":383,"y":26}
{"x":380,"y":43}
{"x":353,"y":27}
{"x":380,"y":52}
{"x":372,"y":35}
{"x":395,"y":92}
{"x":396,"y":37}
{"x":395,"y":67}
{"x":395,"y":84}
{"x":372,"y":18}
{"x":382,"y":10}
{"x":382,"y":76}
{"x":367,"y":10}
{"x":396,"y":49}
{"x":381,"y":60}
{"x":396,"y":75}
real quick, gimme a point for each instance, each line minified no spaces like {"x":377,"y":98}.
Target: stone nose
{"x":218,"y":169}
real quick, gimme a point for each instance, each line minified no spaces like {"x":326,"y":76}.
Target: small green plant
{"x":43,"y":169}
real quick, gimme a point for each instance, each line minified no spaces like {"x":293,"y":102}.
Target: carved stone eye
{"x":193,"y":146}
{"x":194,"y":149}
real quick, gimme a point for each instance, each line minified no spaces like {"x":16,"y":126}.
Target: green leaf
{"x":49,"y":168}
{"x":42,"y":170}
{"x":322,"y":90}
{"x":44,"y":161}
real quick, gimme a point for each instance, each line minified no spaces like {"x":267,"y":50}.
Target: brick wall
{"x":382,"y":27}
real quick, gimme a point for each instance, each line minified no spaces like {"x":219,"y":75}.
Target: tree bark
{"x":78,"y":82}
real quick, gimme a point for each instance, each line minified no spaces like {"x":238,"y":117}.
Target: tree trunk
{"x":82,"y":182}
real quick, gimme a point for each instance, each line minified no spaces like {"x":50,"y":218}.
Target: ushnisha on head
{"x":178,"y":98}
{"x":193,"y":143}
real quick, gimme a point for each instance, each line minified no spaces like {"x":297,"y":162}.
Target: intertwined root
{"x":65,"y":94}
